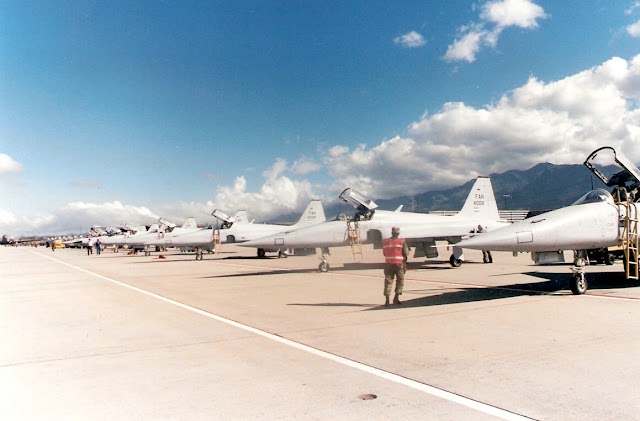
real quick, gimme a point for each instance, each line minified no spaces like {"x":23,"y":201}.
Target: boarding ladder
{"x":217,"y":245}
{"x":353,"y":233}
{"x":629,"y":236}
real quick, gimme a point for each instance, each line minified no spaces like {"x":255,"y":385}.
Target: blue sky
{"x":114,"y":112}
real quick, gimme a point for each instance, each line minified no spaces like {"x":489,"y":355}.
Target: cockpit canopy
{"x":595,"y":196}
{"x":222,"y":216}
{"x":357,"y":200}
{"x":227,"y":221}
{"x":166,"y":223}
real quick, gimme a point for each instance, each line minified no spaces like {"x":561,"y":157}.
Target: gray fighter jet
{"x":371,"y":225}
{"x":596,"y":221}
{"x":236,"y":229}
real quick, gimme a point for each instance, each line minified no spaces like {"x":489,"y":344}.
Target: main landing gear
{"x":456,"y":258}
{"x":456,"y":263}
{"x":324,"y":265}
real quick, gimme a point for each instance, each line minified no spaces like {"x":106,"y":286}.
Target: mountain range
{"x":542,"y":187}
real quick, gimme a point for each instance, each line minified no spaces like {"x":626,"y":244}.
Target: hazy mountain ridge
{"x":542,"y":187}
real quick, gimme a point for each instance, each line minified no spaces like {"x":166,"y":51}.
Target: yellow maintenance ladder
{"x":217,"y":245}
{"x":630,"y":238}
{"x":353,"y":233}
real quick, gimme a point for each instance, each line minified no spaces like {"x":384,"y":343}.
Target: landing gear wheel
{"x":324,"y":267}
{"x":456,"y":263}
{"x":578,"y":284}
{"x":485,"y":259}
{"x":610,"y":259}
{"x":282,"y":255}
{"x":261,"y":253}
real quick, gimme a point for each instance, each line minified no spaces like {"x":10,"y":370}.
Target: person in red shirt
{"x":396,"y":252}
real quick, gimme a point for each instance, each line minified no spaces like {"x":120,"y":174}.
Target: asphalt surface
{"x":120,"y":336}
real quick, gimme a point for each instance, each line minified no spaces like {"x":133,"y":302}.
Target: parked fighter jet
{"x":110,"y":236}
{"x":597,"y":220}
{"x":159,"y":231}
{"x":235,"y":229}
{"x":420,"y":230}
{"x":94,"y":232}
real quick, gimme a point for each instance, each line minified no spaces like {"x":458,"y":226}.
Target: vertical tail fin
{"x":313,"y":214}
{"x":481,"y":202}
{"x":241,"y":217}
{"x":190,"y":223}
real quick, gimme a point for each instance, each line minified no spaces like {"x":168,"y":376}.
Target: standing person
{"x":396,"y":252}
{"x":486,"y":254}
{"x":90,"y":246}
{"x":98,"y":246}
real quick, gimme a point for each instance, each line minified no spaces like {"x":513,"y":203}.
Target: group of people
{"x":91,"y":244}
{"x":396,"y":253}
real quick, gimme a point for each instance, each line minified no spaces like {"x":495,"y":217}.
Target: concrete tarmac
{"x":120,"y":336}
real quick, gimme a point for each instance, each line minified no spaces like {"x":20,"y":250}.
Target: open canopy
{"x":356,"y":199}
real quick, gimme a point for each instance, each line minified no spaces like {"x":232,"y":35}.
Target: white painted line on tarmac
{"x":431,"y":390}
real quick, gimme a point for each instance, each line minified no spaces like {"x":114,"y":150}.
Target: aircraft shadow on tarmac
{"x":459,"y":295}
{"x":337,"y":269}
{"x":264,"y":273}
{"x":554,"y":282}
{"x":595,"y":280}
{"x":456,"y":296}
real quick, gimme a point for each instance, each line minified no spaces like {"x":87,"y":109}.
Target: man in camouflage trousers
{"x":396,"y":252}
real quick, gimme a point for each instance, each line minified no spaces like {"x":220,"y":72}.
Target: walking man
{"x":396,"y":252}
{"x":486,"y":254}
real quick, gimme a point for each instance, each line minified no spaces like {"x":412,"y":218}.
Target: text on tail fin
{"x":481,"y":201}
{"x":313,"y":214}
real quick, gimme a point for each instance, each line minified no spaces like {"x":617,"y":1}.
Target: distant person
{"x":53,"y":246}
{"x":98,"y":246}
{"x":90,"y":246}
{"x":486,"y":254}
{"x":396,"y":252}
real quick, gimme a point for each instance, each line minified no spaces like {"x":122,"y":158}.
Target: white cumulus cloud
{"x":411,"y":39}
{"x":495,"y":16}
{"x":632,"y":8}
{"x":520,"y":13}
{"x":634,"y":29}
{"x":9,"y":165}
{"x":278,"y":195}
{"x":466,"y":48}
{"x":75,"y":217}
{"x":305,"y":166}
{"x":559,"y":122}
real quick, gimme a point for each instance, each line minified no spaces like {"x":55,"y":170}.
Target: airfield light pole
{"x":506,"y":196}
